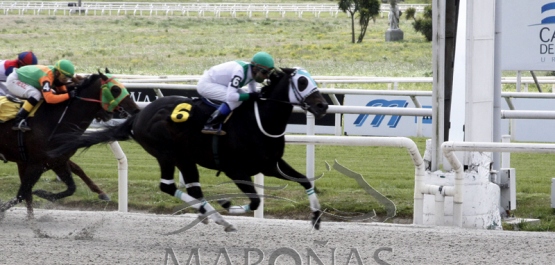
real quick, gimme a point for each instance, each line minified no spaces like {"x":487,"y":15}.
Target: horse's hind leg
{"x":283,"y":170}
{"x":194,"y":195}
{"x":245,"y":184}
{"x":65,"y":175}
{"x":77,"y":170}
{"x":29,"y":174}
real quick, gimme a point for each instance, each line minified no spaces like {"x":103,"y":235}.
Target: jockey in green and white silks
{"x":224,"y":82}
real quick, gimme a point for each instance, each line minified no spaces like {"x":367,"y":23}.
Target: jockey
{"x":224,"y":83}
{"x":7,"y":67}
{"x":35,"y":82}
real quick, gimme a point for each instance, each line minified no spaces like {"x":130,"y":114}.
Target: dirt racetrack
{"x":80,"y":237}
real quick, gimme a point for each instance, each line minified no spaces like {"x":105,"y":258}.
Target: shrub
{"x":424,"y":24}
{"x":410,"y":13}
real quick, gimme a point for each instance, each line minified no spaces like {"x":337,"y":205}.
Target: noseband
{"x":107,"y":100}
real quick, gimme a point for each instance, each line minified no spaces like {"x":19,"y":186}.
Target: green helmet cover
{"x":264,"y":59}
{"x":65,"y":67}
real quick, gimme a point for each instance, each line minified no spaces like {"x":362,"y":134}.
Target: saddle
{"x":212,"y":103}
{"x":10,"y":105}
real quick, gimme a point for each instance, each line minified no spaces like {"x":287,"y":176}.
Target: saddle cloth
{"x":8,"y":109}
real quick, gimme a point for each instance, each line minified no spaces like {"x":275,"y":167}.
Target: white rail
{"x":176,"y":8}
{"x":419,"y":187}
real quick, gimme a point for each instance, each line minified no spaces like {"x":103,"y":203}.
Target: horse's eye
{"x":116,"y":91}
{"x":302,"y":83}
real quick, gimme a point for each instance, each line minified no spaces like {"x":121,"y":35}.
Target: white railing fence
{"x":176,"y":8}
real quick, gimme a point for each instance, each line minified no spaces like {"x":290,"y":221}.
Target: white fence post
{"x":122,"y":176}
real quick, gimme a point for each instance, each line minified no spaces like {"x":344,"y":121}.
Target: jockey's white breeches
{"x":215,"y":91}
{"x":20,"y":89}
{"x":3,"y":89}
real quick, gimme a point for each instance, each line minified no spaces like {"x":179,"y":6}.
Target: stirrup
{"x":21,"y":126}
{"x":210,"y":130}
{"x":13,"y":99}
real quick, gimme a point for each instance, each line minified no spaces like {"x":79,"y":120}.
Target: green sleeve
{"x":243,"y":96}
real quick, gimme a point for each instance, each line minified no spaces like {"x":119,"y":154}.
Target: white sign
{"x":386,"y":125}
{"x":528,"y":35}
{"x":393,"y":125}
{"x":526,"y":130}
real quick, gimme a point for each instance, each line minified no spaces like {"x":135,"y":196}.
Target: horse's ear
{"x":100,"y":73}
{"x":276,"y":72}
{"x":107,"y":71}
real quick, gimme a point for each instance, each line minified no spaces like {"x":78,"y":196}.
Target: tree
{"x":366,"y":9}
{"x":351,"y":7}
{"x":425,"y":25}
{"x":410,"y":13}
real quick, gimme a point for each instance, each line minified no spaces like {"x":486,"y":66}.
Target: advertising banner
{"x":528,"y":35}
{"x":386,"y":125}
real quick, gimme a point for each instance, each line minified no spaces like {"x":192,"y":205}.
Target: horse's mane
{"x":276,"y":76}
{"x":279,"y":72}
{"x":89,"y":80}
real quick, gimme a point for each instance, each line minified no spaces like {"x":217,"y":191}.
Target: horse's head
{"x":296,"y":86}
{"x":113,"y":95}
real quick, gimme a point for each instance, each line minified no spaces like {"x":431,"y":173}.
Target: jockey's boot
{"x":20,"y":122}
{"x":214,"y":123}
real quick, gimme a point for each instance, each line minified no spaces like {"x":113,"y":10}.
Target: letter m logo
{"x":379,"y":118}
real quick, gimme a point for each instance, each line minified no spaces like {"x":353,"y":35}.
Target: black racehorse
{"x":170,"y":130}
{"x":97,"y":96}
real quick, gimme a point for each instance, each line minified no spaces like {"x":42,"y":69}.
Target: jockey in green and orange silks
{"x":35,"y":82}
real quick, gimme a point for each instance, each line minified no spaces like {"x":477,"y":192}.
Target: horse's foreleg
{"x":77,"y":170}
{"x":285,"y":171}
{"x":194,"y":195}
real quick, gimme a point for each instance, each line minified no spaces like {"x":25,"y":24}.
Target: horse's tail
{"x":72,"y":142}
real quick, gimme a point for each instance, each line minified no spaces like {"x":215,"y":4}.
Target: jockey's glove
{"x":77,"y":79}
{"x":72,"y":94}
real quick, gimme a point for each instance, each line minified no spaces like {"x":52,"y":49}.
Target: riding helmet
{"x":27,"y":58}
{"x":264,"y":59}
{"x":65,"y":67}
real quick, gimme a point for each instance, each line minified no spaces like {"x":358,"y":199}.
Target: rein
{"x":118,"y":108}
{"x":257,"y":115}
{"x":108,"y":102}
{"x":89,"y":99}
{"x":300,"y":98}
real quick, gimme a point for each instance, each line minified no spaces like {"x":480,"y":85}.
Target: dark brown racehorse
{"x":98,"y":96}
{"x":170,"y":130}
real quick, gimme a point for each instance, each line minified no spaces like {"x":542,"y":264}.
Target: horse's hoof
{"x":224,"y":203}
{"x":317,"y":226}
{"x":104,"y":197}
{"x":30,"y":216}
{"x":203,"y":219}
{"x":230,"y":228}
{"x":316,"y":219}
